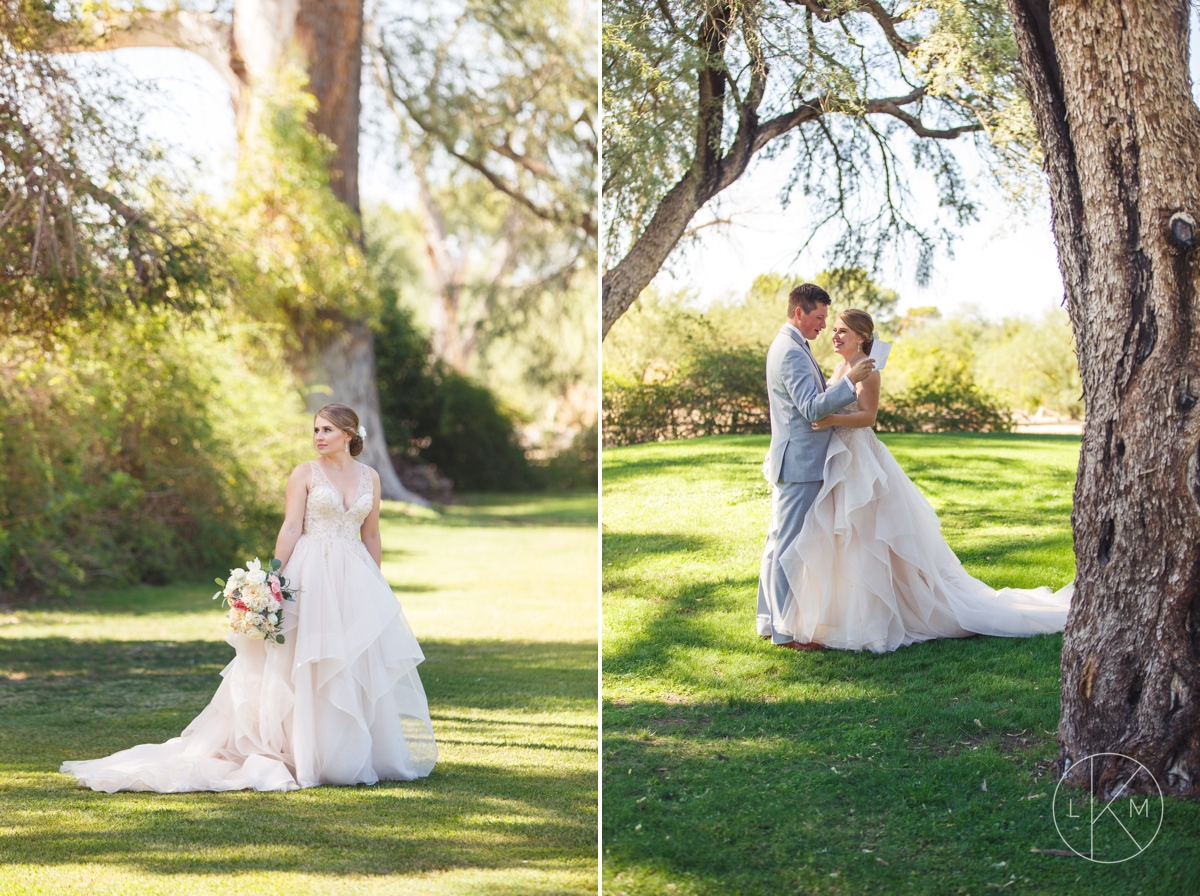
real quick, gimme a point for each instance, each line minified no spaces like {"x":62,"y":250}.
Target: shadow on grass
{"x":759,"y":770}
{"x":622,"y":548}
{"x":509,"y":791}
{"x":925,"y":770}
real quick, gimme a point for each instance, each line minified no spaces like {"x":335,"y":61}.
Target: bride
{"x":870,"y":569}
{"x":339,"y":702}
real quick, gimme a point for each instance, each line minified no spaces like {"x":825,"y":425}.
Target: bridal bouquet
{"x":255,"y":599}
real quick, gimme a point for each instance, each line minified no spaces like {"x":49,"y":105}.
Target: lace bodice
{"x":324,"y":514}
{"x":854,"y":435}
{"x":852,"y":406}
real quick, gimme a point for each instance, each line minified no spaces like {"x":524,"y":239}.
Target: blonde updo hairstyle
{"x":860,"y":322}
{"x":345,"y":419}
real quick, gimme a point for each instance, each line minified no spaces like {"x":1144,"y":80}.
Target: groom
{"x":796,"y":463}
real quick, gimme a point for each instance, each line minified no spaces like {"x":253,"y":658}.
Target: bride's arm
{"x":370,"y":527}
{"x":295,"y":498}
{"x":868,"y":407}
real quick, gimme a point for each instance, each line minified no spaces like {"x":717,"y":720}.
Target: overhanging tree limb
{"x":686,"y":118}
{"x":201,"y":33}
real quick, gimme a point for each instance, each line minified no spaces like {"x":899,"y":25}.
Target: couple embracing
{"x":855,"y":557}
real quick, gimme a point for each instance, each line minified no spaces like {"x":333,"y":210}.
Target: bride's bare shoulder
{"x":301,"y":474}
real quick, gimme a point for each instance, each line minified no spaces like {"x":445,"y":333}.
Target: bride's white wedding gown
{"x":339,"y":702}
{"x":871,"y":571}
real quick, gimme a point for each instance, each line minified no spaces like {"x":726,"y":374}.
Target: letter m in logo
{"x":1143,"y":809}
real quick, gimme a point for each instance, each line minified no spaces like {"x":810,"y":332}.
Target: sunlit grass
{"x":502,"y":595}
{"x":735,"y":767}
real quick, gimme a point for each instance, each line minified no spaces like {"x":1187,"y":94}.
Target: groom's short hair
{"x":805,"y":297}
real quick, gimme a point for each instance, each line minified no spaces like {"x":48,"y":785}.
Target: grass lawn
{"x":734,"y":767}
{"x":501,"y":591}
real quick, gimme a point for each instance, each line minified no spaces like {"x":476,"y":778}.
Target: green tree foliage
{"x":535,"y":360}
{"x":863,"y":97}
{"x":496,"y":119}
{"x":153,"y":445}
{"x":1024,"y":364}
{"x":294,"y":246}
{"x":505,"y":89}
{"x":90,"y":226}
{"x":1031,"y":364}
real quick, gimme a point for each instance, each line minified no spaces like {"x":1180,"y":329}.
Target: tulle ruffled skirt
{"x":339,"y":702}
{"x":871,"y":571}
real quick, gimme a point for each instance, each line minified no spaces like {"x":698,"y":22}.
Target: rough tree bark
{"x":325,"y":37}
{"x":1111,"y":96}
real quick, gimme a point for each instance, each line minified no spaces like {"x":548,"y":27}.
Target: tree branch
{"x":384,"y":75}
{"x":200,"y":33}
{"x":873,"y":8}
{"x":891,"y":106}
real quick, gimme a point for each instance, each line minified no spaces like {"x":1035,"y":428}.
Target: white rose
{"x":237,"y":575}
{"x":230,"y":587}
{"x":255,"y":635}
{"x":273,"y":619}
{"x":256,"y":577}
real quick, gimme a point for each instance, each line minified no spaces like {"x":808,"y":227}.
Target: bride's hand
{"x":823,"y":423}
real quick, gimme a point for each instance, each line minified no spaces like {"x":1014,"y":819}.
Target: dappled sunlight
{"x":731,"y":765}
{"x":510,"y":807}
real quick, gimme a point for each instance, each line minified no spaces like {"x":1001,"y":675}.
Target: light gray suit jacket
{"x":796,"y":389}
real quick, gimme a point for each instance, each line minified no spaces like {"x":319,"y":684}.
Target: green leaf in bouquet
{"x":220,"y":582}
{"x":275,"y":564}
{"x":279,"y":639}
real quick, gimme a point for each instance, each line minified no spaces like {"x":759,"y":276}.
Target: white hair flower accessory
{"x":362,"y":432}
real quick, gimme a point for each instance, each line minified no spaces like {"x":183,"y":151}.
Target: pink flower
{"x":238,"y":605}
{"x":275,"y":589}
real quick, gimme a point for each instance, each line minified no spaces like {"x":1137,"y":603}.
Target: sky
{"x":1003,"y":265}
{"x":189,"y":113}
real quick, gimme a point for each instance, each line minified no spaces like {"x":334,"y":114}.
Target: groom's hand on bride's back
{"x":861,"y":370}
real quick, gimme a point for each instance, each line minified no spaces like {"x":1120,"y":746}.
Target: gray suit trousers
{"x":790,"y":503}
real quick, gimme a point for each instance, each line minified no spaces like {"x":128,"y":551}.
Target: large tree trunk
{"x":1109,"y":87}
{"x":623,"y":284}
{"x":348,"y":361}
{"x":325,"y":38}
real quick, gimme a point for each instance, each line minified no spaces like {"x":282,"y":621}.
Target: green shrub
{"x":577,"y":466}
{"x":952,"y":404}
{"x":138,"y":452}
{"x":438,"y":416}
{"x":722,"y":391}
{"x":474,"y":441}
{"x":714,"y":391}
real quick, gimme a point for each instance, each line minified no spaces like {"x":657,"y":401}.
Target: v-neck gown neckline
{"x":339,"y":702}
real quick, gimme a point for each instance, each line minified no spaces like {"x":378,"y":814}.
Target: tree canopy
{"x":89,"y":223}
{"x":507,"y":89}
{"x":859,"y":94}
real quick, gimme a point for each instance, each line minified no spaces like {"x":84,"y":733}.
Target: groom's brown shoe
{"x":796,"y":645}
